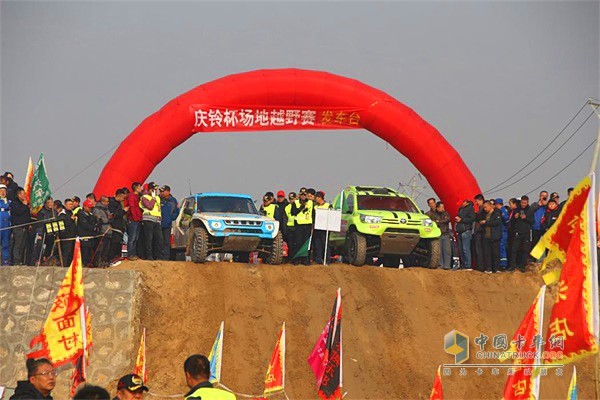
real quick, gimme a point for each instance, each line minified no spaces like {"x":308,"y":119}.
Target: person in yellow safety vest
{"x":319,"y":236}
{"x":302,"y":210}
{"x":151,"y":222}
{"x":288,"y":234}
{"x":197,"y":375}
{"x":268,"y":207}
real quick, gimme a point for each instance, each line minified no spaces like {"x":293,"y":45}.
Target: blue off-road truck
{"x":225,"y":223}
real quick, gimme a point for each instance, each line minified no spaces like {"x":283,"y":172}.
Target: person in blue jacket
{"x":4,"y":224}
{"x":536,"y":228}
{"x":499,"y":204}
{"x":169,"y":210}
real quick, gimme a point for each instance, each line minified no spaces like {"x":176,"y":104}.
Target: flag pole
{"x":595,"y":104}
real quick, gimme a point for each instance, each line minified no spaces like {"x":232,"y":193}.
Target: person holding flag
{"x":197,"y":374}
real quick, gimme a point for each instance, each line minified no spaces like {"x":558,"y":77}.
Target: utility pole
{"x":415,"y":189}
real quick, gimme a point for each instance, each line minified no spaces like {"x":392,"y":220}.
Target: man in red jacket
{"x":134,"y":218}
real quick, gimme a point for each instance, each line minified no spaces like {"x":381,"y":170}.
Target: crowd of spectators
{"x":47,"y":236}
{"x":490,"y":236}
{"x":486,"y":235}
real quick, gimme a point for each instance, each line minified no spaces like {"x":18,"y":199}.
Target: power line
{"x":564,"y":168}
{"x":546,"y":160}
{"x":86,"y":168}
{"x":542,"y":151}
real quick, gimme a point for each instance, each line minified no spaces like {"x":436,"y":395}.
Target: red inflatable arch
{"x":289,"y":99}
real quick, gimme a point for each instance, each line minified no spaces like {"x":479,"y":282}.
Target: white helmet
{"x":2,"y":186}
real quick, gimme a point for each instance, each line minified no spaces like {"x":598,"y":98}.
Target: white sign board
{"x":328,"y":220}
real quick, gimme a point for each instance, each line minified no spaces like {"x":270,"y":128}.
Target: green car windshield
{"x":386,"y":203}
{"x":222,"y":204}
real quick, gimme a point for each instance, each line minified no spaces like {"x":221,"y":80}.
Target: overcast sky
{"x":498,"y":80}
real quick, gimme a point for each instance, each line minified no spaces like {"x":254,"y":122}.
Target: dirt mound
{"x":394,"y":323}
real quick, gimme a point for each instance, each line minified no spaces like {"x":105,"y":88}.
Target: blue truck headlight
{"x":369,"y":219}
{"x":269,"y":227}
{"x":216,"y":224}
{"x":427,"y":222}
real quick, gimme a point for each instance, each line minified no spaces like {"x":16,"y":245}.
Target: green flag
{"x":303,"y":250}
{"x":40,"y":186}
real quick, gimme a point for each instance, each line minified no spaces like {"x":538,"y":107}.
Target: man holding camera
{"x":151,"y":222}
{"x":521,"y":221}
{"x":302,"y":210}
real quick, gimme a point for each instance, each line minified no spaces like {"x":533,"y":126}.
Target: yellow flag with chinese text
{"x":63,"y":335}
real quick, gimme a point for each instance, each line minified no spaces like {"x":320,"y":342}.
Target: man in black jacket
{"x":44,"y":241}
{"x":20,"y":215}
{"x":464,"y":229}
{"x":41,"y":380}
{"x":491,"y":228}
{"x":118,"y":223}
{"x":551,"y":215}
{"x":67,"y":236}
{"x":522,"y":220}
{"x":478,"y":233}
{"x":87,"y":226}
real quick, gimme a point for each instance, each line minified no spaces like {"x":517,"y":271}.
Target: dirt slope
{"x":394,"y":322}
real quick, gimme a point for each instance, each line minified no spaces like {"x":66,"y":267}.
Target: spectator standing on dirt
{"x":522,"y":221}
{"x":67,"y":235}
{"x":464,"y":229}
{"x":130,"y":387}
{"x":151,"y":220}
{"x":101,"y":212}
{"x":268,"y":207}
{"x":43,"y":241}
{"x":169,"y":211}
{"x":20,"y":215}
{"x":552,"y":213}
{"x":539,"y":210}
{"x":431,"y":213}
{"x":41,"y":380}
{"x":4,"y":225}
{"x":11,"y":186}
{"x":118,"y":210}
{"x":442,"y":220}
{"x":302,"y":210}
{"x":88,"y":226}
{"x":504,"y":239}
{"x":491,"y":227}
{"x":561,"y":205}
{"x":197,"y":372}
{"x":134,"y":219}
{"x":478,"y":233}
{"x":290,"y":229}
{"x":76,"y":206}
{"x":282,"y":203}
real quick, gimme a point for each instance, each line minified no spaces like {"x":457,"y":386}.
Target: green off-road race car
{"x":381,"y":223}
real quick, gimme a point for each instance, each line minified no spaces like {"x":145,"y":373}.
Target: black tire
{"x":391,"y":261}
{"x":357,"y":249}
{"x":199,"y":245}
{"x":427,"y":254}
{"x":275,"y":257}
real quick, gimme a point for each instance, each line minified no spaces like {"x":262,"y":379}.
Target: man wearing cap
{"x":130,"y":387}
{"x":4,"y":225}
{"x":282,"y":203}
{"x":197,"y":374}
{"x":169,"y":211}
{"x":499,"y":204}
{"x":268,"y":207}
{"x":87,"y":227}
{"x":302,"y":210}
{"x":151,"y":220}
